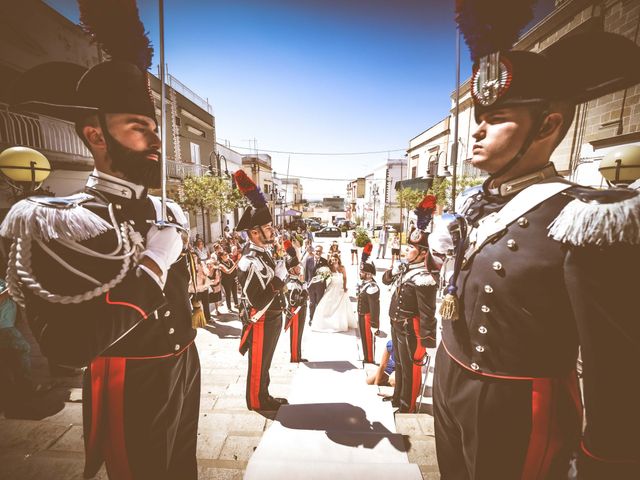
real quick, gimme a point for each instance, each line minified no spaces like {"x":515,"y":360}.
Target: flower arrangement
{"x":323,"y":274}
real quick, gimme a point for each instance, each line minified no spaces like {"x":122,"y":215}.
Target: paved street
{"x":228,"y":434}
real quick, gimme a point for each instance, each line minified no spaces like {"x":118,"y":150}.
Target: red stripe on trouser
{"x":368,"y":337}
{"x":115,"y":449}
{"x":545,"y":440}
{"x":94,"y":442}
{"x":295,"y":354}
{"x":416,"y":365}
{"x":257,"y":346}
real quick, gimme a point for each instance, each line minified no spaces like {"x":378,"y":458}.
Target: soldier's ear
{"x":94,"y":137}
{"x":552,"y":124}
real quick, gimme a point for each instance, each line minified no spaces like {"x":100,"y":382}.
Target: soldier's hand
{"x":163,"y":247}
{"x":281,"y":270}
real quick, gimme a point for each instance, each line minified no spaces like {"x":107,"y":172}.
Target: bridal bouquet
{"x":323,"y":274}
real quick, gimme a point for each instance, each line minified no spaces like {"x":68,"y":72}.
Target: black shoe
{"x":303,"y":360}
{"x":279,"y":400}
{"x":268,"y":407}
{"x":378,"y":333}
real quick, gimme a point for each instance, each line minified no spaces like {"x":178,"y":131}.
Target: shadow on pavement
{"x":339,"y":366}
{"x":343,"y":423}
{"x":222,"y":330}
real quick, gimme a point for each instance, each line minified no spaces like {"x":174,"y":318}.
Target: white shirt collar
{"x":105,"y":183}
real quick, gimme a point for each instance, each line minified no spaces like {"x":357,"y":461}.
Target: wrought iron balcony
{"x":40,"y":132}
{"x":180,"y":170}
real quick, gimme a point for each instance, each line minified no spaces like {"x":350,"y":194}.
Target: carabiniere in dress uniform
{"x":539,"y":264}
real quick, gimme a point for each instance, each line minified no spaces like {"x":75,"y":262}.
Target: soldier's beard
{"x":135,"y":166}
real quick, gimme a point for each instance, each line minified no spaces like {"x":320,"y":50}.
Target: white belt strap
{"x":523,"y":202}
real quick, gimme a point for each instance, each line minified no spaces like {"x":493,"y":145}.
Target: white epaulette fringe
{"x":580,"y":223}
{"x":28,"y":219}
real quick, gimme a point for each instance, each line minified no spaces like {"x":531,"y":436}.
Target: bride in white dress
{"x":334,"y":313}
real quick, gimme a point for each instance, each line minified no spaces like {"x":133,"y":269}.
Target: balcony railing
{"x":181,"y":170}
{"x":181,"y":88}
{"x":40,"y":132}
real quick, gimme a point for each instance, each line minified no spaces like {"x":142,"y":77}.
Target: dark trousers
{"x":295,"y":333}
{"x":140,"y":416}
{"x":263,"y":338}
{"x":204,"y":299}
{"x":15,"y":370}
{"x":230,"y":290}
{"x":410,"y":357}
{"x":366,"y":337}
{"x":316,"y":291}
{"x":494,"y":428}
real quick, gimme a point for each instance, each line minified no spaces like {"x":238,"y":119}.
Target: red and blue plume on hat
{"x":492,"y":25}
{"x":249,"y":189}
{"x":424,"y":211}
{"x":366,"y":251}
{"x":289,"y":248}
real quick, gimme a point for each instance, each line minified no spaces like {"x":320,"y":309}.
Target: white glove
{"x":163,"y":246}
{"x":281,"y":270}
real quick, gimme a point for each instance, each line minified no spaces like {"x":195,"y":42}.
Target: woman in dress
{"x":395,"y":249}
{"x":215,"y":296}
{"x":201,"y":288}
{"x":334,"y":312}
{"x":229,"y":282}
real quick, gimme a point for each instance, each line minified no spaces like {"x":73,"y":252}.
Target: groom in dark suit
{"x":316,"y":289}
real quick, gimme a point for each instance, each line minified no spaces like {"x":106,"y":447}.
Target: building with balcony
{"x":354,"y":208}
{"x":292,"y":201}
{"x":380,"y":204}
{"x":428,"y":152}
{"x":228,"y":162}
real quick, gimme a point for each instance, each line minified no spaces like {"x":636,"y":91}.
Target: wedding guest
{"x":229,"y":283}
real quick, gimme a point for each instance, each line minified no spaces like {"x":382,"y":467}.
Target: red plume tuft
{"x":428,"y":202}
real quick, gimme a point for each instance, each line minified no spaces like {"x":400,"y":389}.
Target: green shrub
{"x":362,"y":237}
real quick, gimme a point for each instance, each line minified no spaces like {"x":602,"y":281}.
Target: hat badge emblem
{"x":491,"y":79}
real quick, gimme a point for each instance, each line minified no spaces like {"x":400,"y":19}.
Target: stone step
{"x":268,"y":470}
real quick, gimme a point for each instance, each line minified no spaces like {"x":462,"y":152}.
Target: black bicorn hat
{"x":419,"y":239}
{"x":575,"y":69}
{"x":254,"y":217}
{"x":368,"y":267}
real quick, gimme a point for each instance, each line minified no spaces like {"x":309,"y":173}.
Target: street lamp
{"x":374,"y":193}
{"x":23,"y":169}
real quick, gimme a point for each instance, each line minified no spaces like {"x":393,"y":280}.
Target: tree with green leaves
{"x":362,"y":237}
{"x":207,"y":192}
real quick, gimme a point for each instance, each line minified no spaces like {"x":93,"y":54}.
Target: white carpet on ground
{"x":336,"y":425}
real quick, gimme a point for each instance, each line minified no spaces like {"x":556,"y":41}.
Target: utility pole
{"x":454,"y":149}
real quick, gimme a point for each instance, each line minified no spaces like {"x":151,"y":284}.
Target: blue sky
{"x":314,"y":75}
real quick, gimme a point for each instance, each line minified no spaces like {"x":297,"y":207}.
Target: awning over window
{"x":293,"y":213}
{"x":422,"y":184}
